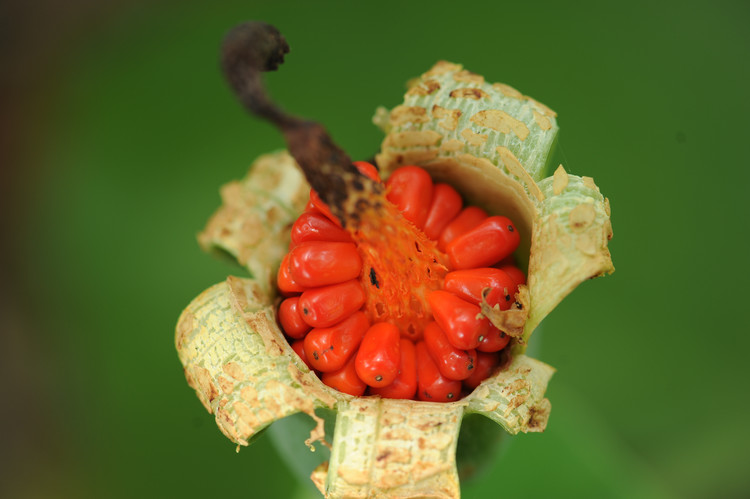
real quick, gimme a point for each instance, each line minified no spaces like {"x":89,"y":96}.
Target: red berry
{"x":445,"y":206}
{"x":410,"y":189}
{"x":284,"y":280}
{"x":379,"y":357}
{"x":494,"y":341}
{"x":326,"y":306}
{"x":469,"y":218}
{"x":484,"y":245}
{"x":345,"y":379}
{"x":452,"y":362}
{"x":515,"y":273}
{"x":291,"y":319}
{"x":458,"y":318}
{"x":329,"y":348}
{"x":368,"y":170}
{"x":469,"y":285}
{"x":320,"y":263}
{"x":323,"y":208}
{"x":405,"y":384}
{"x":433,"y":386}
{"x":483,"y":368}
{"x":314,"y":226}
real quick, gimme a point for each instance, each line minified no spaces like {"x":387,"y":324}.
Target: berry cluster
{"x":345,"y":334}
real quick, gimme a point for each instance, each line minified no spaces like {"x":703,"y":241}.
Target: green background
{"x":120,"y":131}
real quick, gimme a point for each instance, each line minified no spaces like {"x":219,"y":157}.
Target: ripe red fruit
{"x":379,"y":356}
{"x":433,"y":386}
{"x":368,"y":170}
{"x":458,"y":318}
{"x":329,"y":348}
{"x":284,"y":280}
{"x":326,"y":306}
{"x":410,"y":189}
{"x":405,"y":384}
{"x":469,"y":285}
{"x":484,"y":245}
{"x":494,"y":341}
{"x":323,"y":208}
{"x":483,"y":368}
{"x":291,"y":319}
{"x":445,"y":206}
{"x":452,"y":362}
{"x":399,"y":280}
{"x":515,"y":273}
{"x":345,"y":380}
{"x":314,"y":226}
{"x":470,"y":217}
{"x":320,"y":263}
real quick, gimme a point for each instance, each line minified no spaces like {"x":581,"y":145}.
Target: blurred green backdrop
{"x":117,"y":131}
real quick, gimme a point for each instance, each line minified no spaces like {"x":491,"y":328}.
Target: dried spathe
{"x":245,"y":371}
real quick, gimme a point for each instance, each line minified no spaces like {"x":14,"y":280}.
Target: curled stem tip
{"x":248,"y":50}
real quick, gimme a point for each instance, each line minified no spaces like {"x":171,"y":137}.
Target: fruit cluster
{"x":350,"y":337}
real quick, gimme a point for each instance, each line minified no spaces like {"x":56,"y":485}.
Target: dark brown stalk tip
{"x":248,"y":50}
{"x":254,"y":45}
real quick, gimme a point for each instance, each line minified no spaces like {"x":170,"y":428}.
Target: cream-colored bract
{"x":491,"y":143}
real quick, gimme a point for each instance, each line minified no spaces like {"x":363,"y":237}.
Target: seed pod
{"x":490,"y":143}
